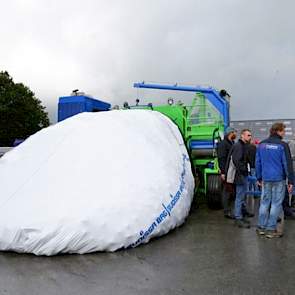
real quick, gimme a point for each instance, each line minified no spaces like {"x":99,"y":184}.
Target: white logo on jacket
{"x":271,"y":147}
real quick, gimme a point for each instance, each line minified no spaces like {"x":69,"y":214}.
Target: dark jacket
{"x":251,"y":152}
{"x":273,"y":160}
{"x":223,"y":149}
{"x":239,"y":154}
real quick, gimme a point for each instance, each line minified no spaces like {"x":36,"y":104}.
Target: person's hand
{"x":259,"y":183}
{"x":290,"y":188}
{"x":222,"y":177}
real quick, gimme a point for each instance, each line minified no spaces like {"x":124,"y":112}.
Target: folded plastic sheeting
{"x":95,"y":182}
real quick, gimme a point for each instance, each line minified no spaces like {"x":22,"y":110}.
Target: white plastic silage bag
{"x":95,"y":182}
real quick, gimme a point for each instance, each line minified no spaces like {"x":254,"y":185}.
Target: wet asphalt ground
{"x":207,"y":255}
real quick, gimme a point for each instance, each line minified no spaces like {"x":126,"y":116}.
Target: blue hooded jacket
{"x":273,"y":160}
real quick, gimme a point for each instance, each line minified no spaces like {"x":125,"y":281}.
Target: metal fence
{"x":260,"y":128}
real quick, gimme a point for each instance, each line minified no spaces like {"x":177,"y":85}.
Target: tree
{"x":21,"y":113}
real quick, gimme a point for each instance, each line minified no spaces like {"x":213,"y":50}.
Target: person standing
{"x":240,"y":160}
{"x":252,"y":156}
{"x":273,"y":168}
{"x":252,"y":182}
{"x":223,"y":149}
{"x":289,"y":211}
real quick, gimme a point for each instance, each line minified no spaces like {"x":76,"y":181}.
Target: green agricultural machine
{"x":202,"y":125}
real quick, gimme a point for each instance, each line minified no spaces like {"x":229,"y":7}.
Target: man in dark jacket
{"x":289,"y":211}
{"x":240,"y":159}
{"x":251,"y":147}
{"x":223,"y":150}
{"x":252,"y":155}
{"x":273,"y":167}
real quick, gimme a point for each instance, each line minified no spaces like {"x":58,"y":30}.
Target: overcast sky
{"x":102,"y":46}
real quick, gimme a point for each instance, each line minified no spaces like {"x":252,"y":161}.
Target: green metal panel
{"x":176,"y":113}
{"x":196,"y":122}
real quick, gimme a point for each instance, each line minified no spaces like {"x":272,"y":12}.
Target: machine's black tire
{"x":214,"y":191}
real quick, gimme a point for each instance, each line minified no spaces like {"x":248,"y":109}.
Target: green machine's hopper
{"x":202,"y":125}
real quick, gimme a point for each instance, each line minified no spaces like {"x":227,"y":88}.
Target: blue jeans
{"x":241,"y":190}
{"x":273,"y":193}
{"x":252,"y":186}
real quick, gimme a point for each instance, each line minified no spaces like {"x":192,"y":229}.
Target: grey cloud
{"x":102,"y":47}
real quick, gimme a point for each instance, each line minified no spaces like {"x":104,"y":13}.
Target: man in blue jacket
{"x":273,"y":168}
